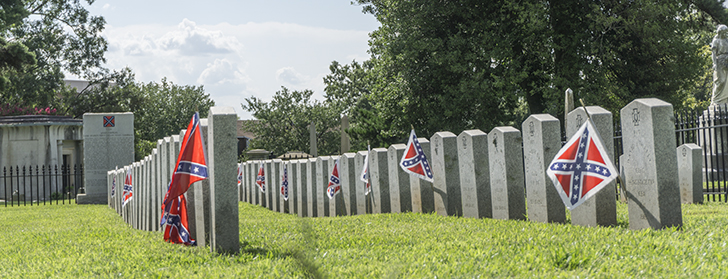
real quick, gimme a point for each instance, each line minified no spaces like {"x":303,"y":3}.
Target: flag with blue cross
{"x":582,"y":167}
{"x":414,"y":160}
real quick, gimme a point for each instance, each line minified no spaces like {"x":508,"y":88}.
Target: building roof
{"x":39,"y":120}
{"x":245,"y":128}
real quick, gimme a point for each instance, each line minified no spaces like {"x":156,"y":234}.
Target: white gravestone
{"x":541,"y":142}
{"x":380,"y":180}
{"x":506,"y":173}
{"x":472,"y":148}
{"x":313,"y":210}
{"x":600,"y":209}
{"x":690,"y":170}
{"x":361,"y":198}
{"x":446,"y":174}
{"x":423,"y":196}
{"x":650,"y":164}
{"x":399,"y":181}
{"x":222,"y":150}
{"x":348,"y":178}
{"x":322,"y":179}
{"x":108,"y":141}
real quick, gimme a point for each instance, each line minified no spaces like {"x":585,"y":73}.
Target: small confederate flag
{"x":334,"y":183}
{"x":113,"y":184}
{"x":365,"y":173}
{"x":128,"y":193}
{"x":260,"y":180}
{"x":414,"y":160}
{"x":284,"y":182}
{"x":191,"y":167}
{"x":240,"y":174}
{"x":582,"y":167}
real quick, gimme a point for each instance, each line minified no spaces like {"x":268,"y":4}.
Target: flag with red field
{"x":582,"y":167}
{"x":240,"y":174}
{"x":260,"y":180}
{"x":191,"y":167}
{"x":334,"y":182}
{"x":414,"y":160}
{"x":128,"y":189}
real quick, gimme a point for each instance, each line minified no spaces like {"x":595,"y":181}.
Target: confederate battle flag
{"x":334,"y":182}
{"x":582,"y":167}
{"x":414,"y":160}
{"x":190,"y":168}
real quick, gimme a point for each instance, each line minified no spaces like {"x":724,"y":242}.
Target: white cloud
{"x":274,"y":55}
{"x":106,"y":6}
{"x":192,"y":40}
{"x":290,"y":76}
{"x":222,"y":71}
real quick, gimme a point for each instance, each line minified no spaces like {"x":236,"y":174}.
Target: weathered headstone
{"x":303,"y":194}
{"x":690,"y":167}
{"x":400,"y":196}
{"x":322,"y":179}
{"x":224,"y":234}
{"x":541,"y":142}
{"x":380,"y":180}
{"x":336,"y":204}
{"x":348,"y":182}
{"x":313,"y":150}
{"x":311,"y":187}
{"x":446,"y":174}
{"x":648,"y":138}
{"x":293,"y":187}
{"x":156,"y":195}
{"x":423,"y":196}
{"x":506,"y":173}
{"x":360,"y":186}
{"x":472,"y":148}
{"x":344,"y":135}
{"x":273,"y":188}
{"x":108,"y":141}
{"x":600,"y":209}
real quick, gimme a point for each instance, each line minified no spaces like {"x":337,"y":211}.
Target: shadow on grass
{"x":296,"y":252}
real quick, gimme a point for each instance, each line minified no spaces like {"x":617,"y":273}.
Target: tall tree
{"x":62,"y":36}
{"x":462,"y":64}
{"x":283,"y":123}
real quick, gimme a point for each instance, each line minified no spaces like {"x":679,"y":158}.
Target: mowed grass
{"x":80,"y":241}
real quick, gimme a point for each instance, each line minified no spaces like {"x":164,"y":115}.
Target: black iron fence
{"x":707,"y":129}
{"x":45,"y":184}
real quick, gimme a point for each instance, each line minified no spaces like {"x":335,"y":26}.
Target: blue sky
{"x":235,"y":49}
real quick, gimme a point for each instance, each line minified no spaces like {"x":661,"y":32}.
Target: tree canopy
{"x":465,"y":64}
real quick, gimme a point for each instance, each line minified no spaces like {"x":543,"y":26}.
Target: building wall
{"x":37,"y":144}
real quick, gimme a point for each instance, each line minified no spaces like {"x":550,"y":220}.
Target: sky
{"x":235,"y":49}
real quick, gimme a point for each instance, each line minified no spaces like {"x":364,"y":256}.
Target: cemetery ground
{"x":83,"y":241}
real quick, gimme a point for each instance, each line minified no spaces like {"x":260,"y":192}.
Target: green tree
{"x":62,"y":36}
{"x":160,"y":109}
{"x":463,"y":64}
{"x":283,"y":123}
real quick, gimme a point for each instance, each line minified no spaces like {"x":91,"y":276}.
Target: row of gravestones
{"x":212,"y":212}
{"x":495,"y":175}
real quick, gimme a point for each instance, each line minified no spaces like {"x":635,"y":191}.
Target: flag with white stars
{"x":128,"y":193}
{"x":582,"y":167}
{"x":284,"y":182}
{"x":113,"y":184}
{"x":175,"y":229}
{"x":191,"y":167}
{"x":414,"y":160}
{"x":365,"y":173}
{"x":334,"y":186}
{"x":260,"y":180}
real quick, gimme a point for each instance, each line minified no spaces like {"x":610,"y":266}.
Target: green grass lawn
{"x":75,"y":241}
